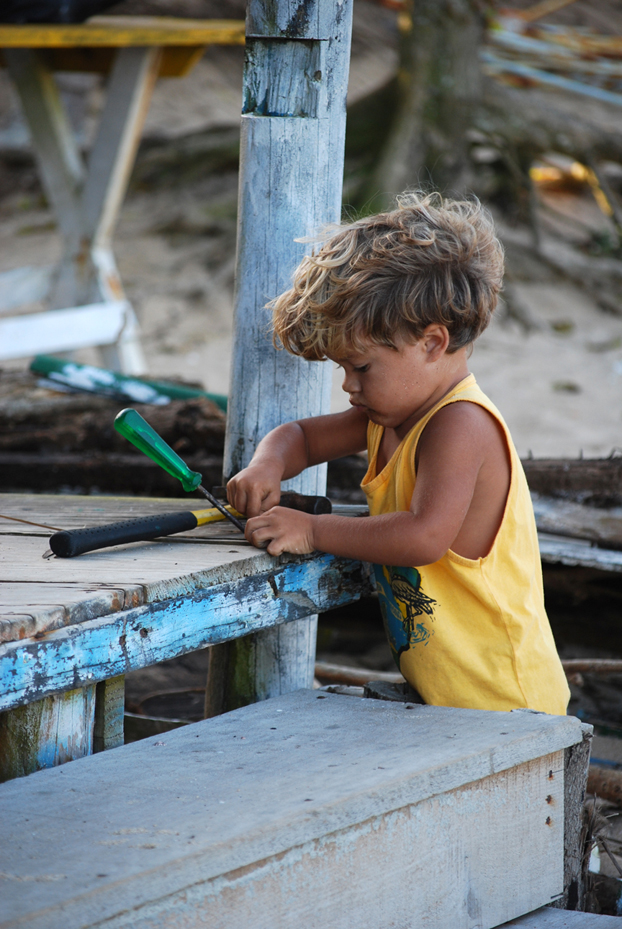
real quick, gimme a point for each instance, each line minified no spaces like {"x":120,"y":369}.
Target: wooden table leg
{"x":47,"y":732}
{"x":86,"y":202}
{"x":109,"y":710}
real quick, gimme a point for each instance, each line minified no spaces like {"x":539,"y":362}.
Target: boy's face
{"x":395,"y":387}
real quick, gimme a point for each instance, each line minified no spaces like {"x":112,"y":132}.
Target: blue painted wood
{"x":92,"y":651}
{"x":47,"y":733}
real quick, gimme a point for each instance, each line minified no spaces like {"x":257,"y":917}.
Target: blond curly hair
{"x":384,"y":278}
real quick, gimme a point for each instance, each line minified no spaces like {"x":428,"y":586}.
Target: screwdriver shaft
{"x":219,"y":506}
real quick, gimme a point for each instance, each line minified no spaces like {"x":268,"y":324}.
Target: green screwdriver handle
{"x":138,"y":431}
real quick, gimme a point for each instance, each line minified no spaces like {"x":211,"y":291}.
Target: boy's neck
{"x":453,"y":370}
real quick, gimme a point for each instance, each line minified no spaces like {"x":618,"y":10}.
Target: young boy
{"x":397,"y":300}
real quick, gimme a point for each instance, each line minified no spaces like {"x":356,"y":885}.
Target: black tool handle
{"x":77,"y":541}
{"x":317,"y":506}
{"x":304,"y":502}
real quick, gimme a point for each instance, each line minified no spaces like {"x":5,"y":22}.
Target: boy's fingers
{"x":254,"y":502}
{"x":239,"y":501}
{"x":271,"y":499}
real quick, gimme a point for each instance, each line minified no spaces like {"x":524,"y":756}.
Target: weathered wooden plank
{"x":119,"y":31}
{"x":46,"y":733}
{"x":91,"y":651}
{"x":576,"y":478}
{"x":290,"y":19}
{"x":165,"y":568}
{"x":547,"y":918}
{"x":284,"y":79}
{"x":62,"y":330}
{"x":109,"y":714}
{"x":576,"y":768}
{"x":31,"y":609}
{"x":572,"y":552}
{"x":421,"y":827}
{"x":291,"y":172}
{"x":588,"y":523}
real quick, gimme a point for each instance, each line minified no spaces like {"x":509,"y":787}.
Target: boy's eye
{"x":361,"y":369}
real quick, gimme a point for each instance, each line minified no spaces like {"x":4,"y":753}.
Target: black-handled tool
{"x":132,"y":425}
{"x":71,"y":542}
{"x":316,"y":506}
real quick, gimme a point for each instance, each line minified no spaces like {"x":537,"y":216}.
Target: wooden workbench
{"x":67,"y":624}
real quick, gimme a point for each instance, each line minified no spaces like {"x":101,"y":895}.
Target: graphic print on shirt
{"x":402,"y":601}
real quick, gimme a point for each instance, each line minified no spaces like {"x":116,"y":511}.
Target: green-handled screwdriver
{"x":137,"y":430}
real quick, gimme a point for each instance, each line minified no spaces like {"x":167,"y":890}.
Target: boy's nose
{"x":350,"y":384}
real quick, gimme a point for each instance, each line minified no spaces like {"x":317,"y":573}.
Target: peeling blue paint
{"x":91,"y":651}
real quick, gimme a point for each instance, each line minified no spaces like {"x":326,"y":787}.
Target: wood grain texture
{"x":109,"y":712}
{"x":589,"y":523}
{"x":291,"y":19}
{"x":291,"y":173}
{"x":350,"y":812}
{"x":91,"y":651}
{"x":47,"y":733}
{"x":284,"y":78}
{"x":562,"y":919}
{"x":121,"y":31}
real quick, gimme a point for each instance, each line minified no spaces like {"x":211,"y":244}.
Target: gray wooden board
{"x":572,"y":552}
{"x":69,"y":511}
{"x":196,"y":616}
{"x":602,"y":524}
{"x":39,"y":595}
{"x":107,"y":834}
{"x":548,"y":918}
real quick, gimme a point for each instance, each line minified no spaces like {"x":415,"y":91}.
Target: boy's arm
{"x":288,"y":450}
{"x":452,"y":451}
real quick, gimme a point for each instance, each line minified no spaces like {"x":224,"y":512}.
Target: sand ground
{"x":557,"y":381}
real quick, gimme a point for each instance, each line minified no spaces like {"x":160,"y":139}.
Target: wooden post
{"x":47,"y":732}
{"x":109,"y":714}
{"x":291,"y":172}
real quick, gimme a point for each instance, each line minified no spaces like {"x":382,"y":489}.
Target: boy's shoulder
{"x":462,"y":427}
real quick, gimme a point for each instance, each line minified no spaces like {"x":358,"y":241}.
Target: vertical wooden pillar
{"x":47,"y":732}
{"x":291,"y":172}
{"x":109,"y":714}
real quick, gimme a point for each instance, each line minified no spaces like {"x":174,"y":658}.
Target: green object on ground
{"x":111,"y":383}
{"x":138,"y":431}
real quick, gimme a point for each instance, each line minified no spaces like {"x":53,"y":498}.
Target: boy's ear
{"x":436,"y":341}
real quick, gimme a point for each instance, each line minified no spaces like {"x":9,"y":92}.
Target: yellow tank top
{"x":468,"y":633}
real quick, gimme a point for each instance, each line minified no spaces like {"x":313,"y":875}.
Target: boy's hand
{"x":254,"y":490}
{"x":285,"y":530}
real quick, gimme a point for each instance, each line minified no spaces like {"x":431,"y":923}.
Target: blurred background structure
{"x":519,"y":105}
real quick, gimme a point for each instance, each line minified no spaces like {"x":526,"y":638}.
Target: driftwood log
{"x":51,"y":441}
